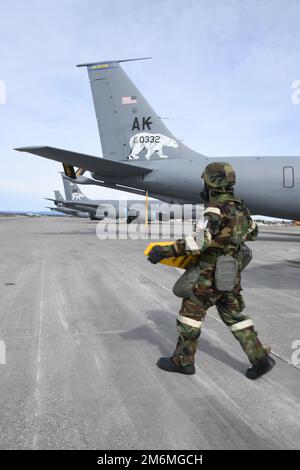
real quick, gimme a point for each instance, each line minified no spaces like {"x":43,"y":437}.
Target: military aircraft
{"x":59,"y":201}
{"x":77,"y":204}
{"x":141,"y":154}
{"x":67,"y":211}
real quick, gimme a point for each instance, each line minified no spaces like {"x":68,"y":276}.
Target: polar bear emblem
{"x":150,"y":142}
{"x":77,"y":196}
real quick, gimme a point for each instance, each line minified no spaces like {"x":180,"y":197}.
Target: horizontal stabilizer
{"x":101,"y":166}
{"x":49,"y":199}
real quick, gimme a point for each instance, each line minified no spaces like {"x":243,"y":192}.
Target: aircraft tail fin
{"x":58,"y":196}
{"x":72,"y":190}
{"x":129,"y":128}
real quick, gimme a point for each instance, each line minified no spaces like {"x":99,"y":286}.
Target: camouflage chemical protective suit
{"x":227,"y":224}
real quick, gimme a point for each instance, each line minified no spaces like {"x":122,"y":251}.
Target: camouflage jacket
{"x":227,"y":223}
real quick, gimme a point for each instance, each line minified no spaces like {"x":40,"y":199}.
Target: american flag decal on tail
{"x":129,"y":100}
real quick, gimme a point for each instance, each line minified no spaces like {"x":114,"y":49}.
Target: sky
{"x":222,"y":69}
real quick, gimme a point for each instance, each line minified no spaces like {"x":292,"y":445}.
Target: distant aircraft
{"x":77,"y":204}
{"x":59,"y":201}
{"x":32,"y":214}
{"x":140,"y":153}
{"x":67,"y":211}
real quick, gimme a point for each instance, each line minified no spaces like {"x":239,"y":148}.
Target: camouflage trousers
{"x":229,"y":305}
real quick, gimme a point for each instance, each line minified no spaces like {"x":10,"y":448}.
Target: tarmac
{"x":85,"y":320}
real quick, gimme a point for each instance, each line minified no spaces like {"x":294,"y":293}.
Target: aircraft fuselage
{"x":269,"y":185}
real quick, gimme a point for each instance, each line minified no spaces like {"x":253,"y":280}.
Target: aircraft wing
{"x":71,"y":204}
{"x":101,"y":166}
{"x":49,"y":199}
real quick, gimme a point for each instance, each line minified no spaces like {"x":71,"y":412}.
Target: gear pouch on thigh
{"x":184,"y":286}
{"x":226,"y":273}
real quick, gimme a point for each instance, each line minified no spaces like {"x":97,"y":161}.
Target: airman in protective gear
{"x":227,"y":225}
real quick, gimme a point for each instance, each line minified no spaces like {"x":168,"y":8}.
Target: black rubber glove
{"x":156,"y":254}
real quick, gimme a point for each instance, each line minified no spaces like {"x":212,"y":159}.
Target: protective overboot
{"x":166,"y":363}
{"x":261,"y":367}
